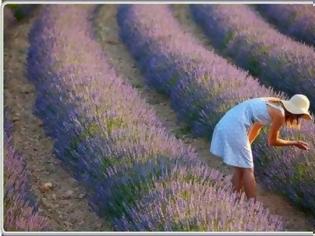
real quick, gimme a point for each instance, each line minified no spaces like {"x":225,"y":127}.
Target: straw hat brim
{"x":296,"y":110}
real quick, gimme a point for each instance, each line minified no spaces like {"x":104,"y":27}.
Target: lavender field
{"x":126,"y":100}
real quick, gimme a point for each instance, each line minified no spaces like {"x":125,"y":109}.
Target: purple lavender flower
{"x":202,"y":86}
{"x":241,"y":34}
{"x":296,"y":20}
{"x":180,"y":205}
{"x":103,"y":131}
{"x":20,"y":208}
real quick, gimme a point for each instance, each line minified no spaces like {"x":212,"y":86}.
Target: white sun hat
{"x":298,"y":104}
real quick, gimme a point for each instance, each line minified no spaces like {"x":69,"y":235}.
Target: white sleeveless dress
{"x":230,"y":135}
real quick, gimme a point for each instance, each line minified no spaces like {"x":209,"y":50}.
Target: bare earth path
{"x":65,"y":205}
{"x":107,"y":30}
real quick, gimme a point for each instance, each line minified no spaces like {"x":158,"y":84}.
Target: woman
{"x":238,"y":128}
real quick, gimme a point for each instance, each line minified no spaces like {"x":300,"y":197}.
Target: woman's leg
{"x":249,"y":182}
{"x":237,"y":179}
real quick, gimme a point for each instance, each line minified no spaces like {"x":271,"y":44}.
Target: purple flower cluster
{"x":294,"y":20}
{"x":178,"y":65}
{"x":177,"y":205}
{"x":203,"y":86}
{"x":242,"y":34}
{"x":105,"y":133}
{"x":20,"y":209}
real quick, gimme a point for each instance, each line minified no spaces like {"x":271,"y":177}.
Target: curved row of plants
{"x":115,"y":145}
{"x":20,"y":205}
{"x":242,"y":34}
{"x":202,"y":86}
{"x":295,"y":20}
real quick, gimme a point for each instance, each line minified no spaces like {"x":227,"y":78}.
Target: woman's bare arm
{"x":273,"y":134}
{"x":254,"y":132}
{"x":275,"y":140}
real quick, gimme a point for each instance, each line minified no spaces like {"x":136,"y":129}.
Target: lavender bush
{"x":104,"y":132}
{"x":20,"y":207}
{"x":178,"y":205}
{"x":296,"y":20}
{"x":203,"y":86}
{"x":241,"y":34}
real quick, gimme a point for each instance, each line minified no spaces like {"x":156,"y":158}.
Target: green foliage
{"x":20,"y":11}
{"x":227,"y":39}
{"x":300,"y":172}
{"x":129,"y":193}
{"x":90,"y":131}
{"x":254,"y":65}
{"x":185,"y":195}
{"x":173,"y":80}
{"x":181,"y":131}
{"x":114,"y":123}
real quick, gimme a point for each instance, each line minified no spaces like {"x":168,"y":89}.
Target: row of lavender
{"x":243,"y":35}
{"x":292,"y":19}
{"x":115,"y":145}
{"x":20,"y":207}
{"x":203,"y":86}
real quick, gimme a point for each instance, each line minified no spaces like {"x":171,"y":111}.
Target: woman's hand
{"x":301,"y":145}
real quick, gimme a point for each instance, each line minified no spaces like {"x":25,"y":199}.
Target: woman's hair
{"x":292,"y":120}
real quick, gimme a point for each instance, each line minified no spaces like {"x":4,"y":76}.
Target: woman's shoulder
{"x":275,"y":108}
{"x":272,"y":99}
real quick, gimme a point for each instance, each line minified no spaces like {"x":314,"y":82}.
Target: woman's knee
{"x":248,"y":172}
